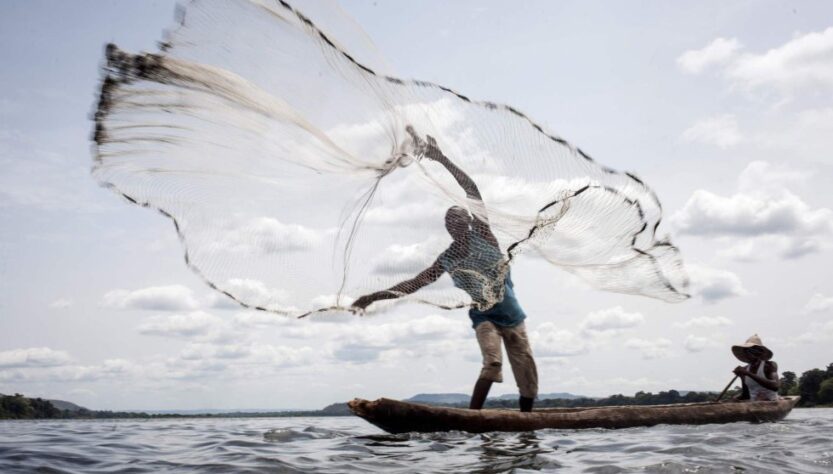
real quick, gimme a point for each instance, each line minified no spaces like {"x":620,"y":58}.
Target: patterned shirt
{"x":479,"y":272}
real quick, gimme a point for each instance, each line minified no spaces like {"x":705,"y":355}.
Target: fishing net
{"x":299,"y":178}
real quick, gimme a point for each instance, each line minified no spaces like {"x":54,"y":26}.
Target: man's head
{"x":755,"y":353}
{"x":457,"y":222}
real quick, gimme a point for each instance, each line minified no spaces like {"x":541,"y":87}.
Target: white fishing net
{"x":299,"y":177}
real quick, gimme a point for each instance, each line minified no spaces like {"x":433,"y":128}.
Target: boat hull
{"x":396,"y":416}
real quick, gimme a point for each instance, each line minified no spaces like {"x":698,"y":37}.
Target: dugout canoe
{"x":396,"y":416}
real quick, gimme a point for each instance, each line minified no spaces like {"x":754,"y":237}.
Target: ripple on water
{"x":801,"y":444}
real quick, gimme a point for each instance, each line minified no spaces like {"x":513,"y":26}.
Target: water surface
{"x":803,"y":443}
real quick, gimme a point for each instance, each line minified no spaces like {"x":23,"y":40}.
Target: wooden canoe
{"x":401,"y":417}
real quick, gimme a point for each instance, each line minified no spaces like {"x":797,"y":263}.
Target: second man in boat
{"x":759,"y":378}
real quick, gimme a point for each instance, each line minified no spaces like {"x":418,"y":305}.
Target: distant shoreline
{"x":19,"y":407}
{"x":235,"y":415}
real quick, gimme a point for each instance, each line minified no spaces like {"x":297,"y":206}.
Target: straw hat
{"x":740,"y":350}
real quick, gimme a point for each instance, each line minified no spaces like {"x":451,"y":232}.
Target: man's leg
{"x":523,"y":364}
{"x":479,"y":394}
{"x":488,"y":337}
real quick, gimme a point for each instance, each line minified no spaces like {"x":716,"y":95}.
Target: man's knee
{"x":492,"y":371}
{"x":526,"y":373}
{"x":528,"y":382}
{"x":529,"y":390}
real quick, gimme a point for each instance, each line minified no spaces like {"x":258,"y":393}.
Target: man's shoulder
{"x":445,"y":257}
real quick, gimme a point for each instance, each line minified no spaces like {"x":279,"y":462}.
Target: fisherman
{"x":760,"y":377}
{"x":476,"y":265}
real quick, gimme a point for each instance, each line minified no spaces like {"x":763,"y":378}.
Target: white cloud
{"x":818,"y":303}
{"x":706,"y":213}
{"x":763,"y":218}
{"x":322,"y":301}
{"x":368,"y":340}
{"x":650,"y":349}
{"x":757,"y":248}
{"x":721,"y":131}
{"x":156,"y":298}
{"x":192,"y":324}
{"x":115,"y":368}
{"x":770,"y":179}
{"x":252,"y":318}
{"x":801,"y":63}
{"x":33,"y":357}
{"x":358,"y":339}
{"x":697,"y":344}
{"x":611,"y":320}
{"x":719,"y":51}
{"x":413,"y":213}
{"x":250,"y":354}
{"x":209,"y":361}
{"x":359,"y":353}
{"x":219,"y":351}
{"x":548,"y":340}
{"x":266,"y":235}
{"x":283,"y":356}
{"x":253,"y":292}
{"x":705,"y":322}
{"x":712,"y":284}
{"x":429,"y":327}
{"x":409,"y":259}
{"x":817,"y":332}
{"x":364,"y":138}
{"x":61,"y":303}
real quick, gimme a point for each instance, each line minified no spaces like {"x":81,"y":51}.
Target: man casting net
{"x":297,"y":179}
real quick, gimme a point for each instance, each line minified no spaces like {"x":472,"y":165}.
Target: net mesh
{"x":299,"y":178}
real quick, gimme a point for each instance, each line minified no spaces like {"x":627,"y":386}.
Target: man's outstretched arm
{"x":424,"y":278}
{"x":432,"y":151}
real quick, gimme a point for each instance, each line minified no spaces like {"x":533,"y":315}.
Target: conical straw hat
{"x":740,"y":350}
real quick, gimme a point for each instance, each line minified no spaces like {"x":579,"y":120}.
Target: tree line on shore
{"x":639,"y":398}
{"x":19,"y":407}
{"x":815,"y":387}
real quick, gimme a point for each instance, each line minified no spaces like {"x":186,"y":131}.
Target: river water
{"x":803,"y":443}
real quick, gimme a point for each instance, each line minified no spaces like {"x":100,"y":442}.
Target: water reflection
{"x":501,"y":452}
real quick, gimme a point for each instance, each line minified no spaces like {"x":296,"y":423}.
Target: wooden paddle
{"x":726,"y":389}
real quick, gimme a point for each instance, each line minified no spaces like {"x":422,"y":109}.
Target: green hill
{"x":66,"y":406}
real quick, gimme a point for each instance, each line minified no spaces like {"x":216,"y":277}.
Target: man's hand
{"x":427,"y":148}
{"x":741,"y":371}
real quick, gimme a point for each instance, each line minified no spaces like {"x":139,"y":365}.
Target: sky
{"x":726,"y":110}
